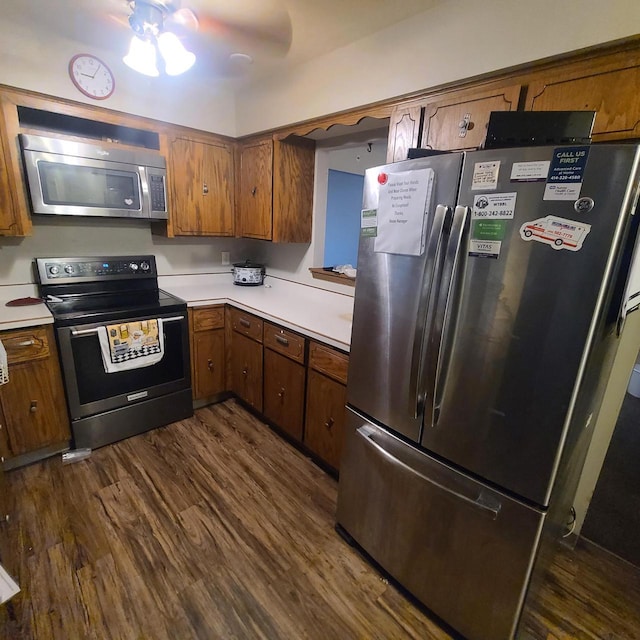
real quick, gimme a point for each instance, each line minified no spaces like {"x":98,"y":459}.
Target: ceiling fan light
{"x":142,"y":57}
{"x":177,"y":59}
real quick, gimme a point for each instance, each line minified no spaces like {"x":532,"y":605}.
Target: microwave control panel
{"x":157,"y":193}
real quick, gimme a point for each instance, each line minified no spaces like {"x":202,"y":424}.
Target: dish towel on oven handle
{"x":131,"y":345}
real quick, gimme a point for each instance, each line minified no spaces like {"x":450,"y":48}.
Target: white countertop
{"x":313,"y":312}
{"x":316,"y":313}
{"x":19,"y":317}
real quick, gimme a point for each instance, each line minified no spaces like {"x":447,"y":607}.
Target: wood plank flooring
{"x":214,"y":527}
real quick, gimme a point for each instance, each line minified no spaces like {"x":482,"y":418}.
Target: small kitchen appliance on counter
{"x":248,"y":273}
{"x":121,"y":294}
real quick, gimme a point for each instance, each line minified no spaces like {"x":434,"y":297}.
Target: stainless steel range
{"x":117,"y":297}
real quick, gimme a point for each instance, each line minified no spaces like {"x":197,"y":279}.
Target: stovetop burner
{"x":103,"y":289}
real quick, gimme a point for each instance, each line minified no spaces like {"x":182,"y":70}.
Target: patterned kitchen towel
{"x":131,"y":345}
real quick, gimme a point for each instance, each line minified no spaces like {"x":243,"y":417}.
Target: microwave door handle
{"x":441,"y":218}
{"x":143,"y":185}
{"x":448,"y":302}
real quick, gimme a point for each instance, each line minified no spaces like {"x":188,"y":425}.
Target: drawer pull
{"x":245,"y":371}
{"x":282,"y":340}
{"x":244,"y":323}
{"x":24,"y":343}
{"x":281,"y":393}
{"x":210,"y":364}
{"x":329,"y":423}
{"x":34,"y":406}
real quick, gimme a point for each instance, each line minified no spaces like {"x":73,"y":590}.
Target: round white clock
{"x":91,"y":76}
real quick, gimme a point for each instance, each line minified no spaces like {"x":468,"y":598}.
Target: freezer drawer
{"x":462,"y":548}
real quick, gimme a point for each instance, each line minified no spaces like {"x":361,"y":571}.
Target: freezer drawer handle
{"x":481,"y":502}
{"x":84,"y":332}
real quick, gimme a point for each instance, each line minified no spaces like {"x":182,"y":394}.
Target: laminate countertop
{"x":316,"y":313}
{"x":20,"y":317}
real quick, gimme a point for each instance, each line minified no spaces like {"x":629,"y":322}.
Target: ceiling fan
{"x":210,"y":29}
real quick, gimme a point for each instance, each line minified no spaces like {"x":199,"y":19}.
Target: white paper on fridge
{"x":403,"y":206}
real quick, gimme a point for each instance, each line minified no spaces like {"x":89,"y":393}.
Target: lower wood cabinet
{"x":207,"y":351}
{"x":33,"y":401}
{"x":326,"y":399}
{"x":245,"y":369}
{"x":284,"y":392}
{"x":324,"y":428}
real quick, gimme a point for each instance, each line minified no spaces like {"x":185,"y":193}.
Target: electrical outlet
{"x":225,"y":257}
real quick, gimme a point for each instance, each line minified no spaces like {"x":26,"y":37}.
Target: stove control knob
{"x":133,"y":266}
{"x":54,"y":270}
{"x":145,"y":266}
{"x":69,"y":268}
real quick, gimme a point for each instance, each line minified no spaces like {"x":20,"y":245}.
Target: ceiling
{"x":277,"y":34}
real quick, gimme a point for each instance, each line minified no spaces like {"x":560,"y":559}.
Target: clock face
{"x":91,"y":76}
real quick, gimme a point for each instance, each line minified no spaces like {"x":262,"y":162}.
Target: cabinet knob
{"x":210,"y":364}
{"x":205,"y":188}
{"x":7,"y":517}
{"x":254,"y":191}
{"x":245,"y":371}
{"x":34,"y":406}
{"x":1,"y":458}
{"x":329,"y":423}
{"x":283,"y":341}
{"x":281,"y":393}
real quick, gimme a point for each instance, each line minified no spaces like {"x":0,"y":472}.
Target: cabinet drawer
{"x":329,"y":361}
{"x":247,"y":324}
{"x":24,"y":345}
{"x":285,"y":342}
{"x":208,"y":318}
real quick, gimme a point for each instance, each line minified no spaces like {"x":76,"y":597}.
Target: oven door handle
{"x":84,"y":332}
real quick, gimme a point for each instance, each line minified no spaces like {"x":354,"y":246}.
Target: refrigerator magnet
{"x":485,"y":175}
{"x":496,"y":206}
{"x":369,"y":223}
{"x":558,"y":233}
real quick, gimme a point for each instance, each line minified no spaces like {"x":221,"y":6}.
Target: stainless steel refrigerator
{"x":477,"y":366}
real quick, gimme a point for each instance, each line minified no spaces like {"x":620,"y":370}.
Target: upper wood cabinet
{"x":459,"y":121}
{"x":256,"y":177}
{"x":607,"y":87}
{"x":276,"y":189}
{"x":404,"y":131}
{"x":201,"y":187}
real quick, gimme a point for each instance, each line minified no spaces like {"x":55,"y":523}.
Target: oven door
{"x":90,"y":390}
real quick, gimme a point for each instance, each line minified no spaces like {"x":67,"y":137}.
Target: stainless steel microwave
{"x":78,"y":179}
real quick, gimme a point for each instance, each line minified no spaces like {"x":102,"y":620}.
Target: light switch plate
{"x":225,"y":257}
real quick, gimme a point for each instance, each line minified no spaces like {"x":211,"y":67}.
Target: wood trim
{"x":332,"y":276}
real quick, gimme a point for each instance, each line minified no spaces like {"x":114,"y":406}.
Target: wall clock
{"x":91,"y":76}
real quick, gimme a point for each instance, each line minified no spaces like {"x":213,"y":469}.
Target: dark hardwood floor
{"x":214,"y":527}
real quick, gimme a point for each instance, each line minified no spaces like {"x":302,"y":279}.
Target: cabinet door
{"x":460,"y":121}
{"x":7,"y":221}
{"x":284,"y":392}
{"x":33,"y":406}
{"x":201,"y":188}
{"x":256,"y":185}
{"x":612,"y":93}
{"x":293,"y":172}
{"x":404,"y":131}
{"x":324,"y":428}
{"x":208,"y":356}
{"x":246,"y":369}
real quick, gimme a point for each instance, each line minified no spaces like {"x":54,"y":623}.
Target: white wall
{"x":59,"y":236}
{"x":456,"y":39}
{"x":39,"y":62}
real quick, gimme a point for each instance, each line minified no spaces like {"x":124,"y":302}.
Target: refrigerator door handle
{"x":424,"y":317}
{"x":439,"y":349}
{"x":483,"y":502}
